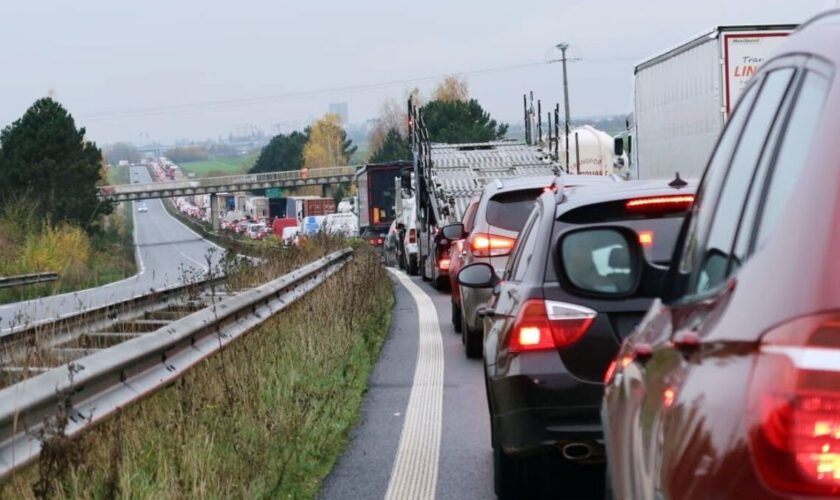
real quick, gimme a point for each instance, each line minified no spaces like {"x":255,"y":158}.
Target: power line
{"x":227,"y":103}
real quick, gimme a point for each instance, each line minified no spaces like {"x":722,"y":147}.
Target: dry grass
{"x":267,"y":417}
{"x":83,"y":259}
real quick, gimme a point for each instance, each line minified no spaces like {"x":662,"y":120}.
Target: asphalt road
{"x":167,"y":252}
{"x":464,"y":466}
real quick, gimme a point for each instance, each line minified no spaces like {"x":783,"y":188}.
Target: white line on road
{"x":415,"y":469}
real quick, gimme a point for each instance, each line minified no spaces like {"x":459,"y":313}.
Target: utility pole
{"x":563,"y":47}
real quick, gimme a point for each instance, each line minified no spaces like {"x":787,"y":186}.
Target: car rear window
{"x":510,"y":210}
{"x":657,"y":237}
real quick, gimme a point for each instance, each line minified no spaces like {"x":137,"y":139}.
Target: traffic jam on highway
{"x":671,"y":319}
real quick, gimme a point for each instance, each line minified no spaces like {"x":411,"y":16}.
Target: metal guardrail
{"x":27,"y":279}
{"x":231,"y":182}
{"x":91,"y":389}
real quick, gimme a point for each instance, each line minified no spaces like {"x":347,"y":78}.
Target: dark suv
{"x":730,"y":387}
{"x":550,"y":334}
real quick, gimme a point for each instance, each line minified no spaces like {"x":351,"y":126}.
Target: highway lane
{"x":464,"y":465}
{"x":167,"y":253}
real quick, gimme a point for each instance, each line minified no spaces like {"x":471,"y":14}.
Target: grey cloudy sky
{"x":126,"y":68}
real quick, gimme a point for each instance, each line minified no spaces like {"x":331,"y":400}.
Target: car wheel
{"x":510,"y":474}
{"x":441,"y":283}
{"x":456,"y":317}
{"x":471,"y":339}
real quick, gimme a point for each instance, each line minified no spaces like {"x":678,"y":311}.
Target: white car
{"x":142,"y":208}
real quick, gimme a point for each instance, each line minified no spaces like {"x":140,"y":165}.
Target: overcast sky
{"x":126,"y":68}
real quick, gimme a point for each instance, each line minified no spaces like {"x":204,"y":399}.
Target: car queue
{"x":682,"y":336}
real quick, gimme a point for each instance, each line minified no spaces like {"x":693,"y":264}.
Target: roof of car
{"x":818,"y":36}
{"x":517,"y":183}
{"x":578,"y":196}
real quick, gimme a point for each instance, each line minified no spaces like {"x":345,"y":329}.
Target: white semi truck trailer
{"x":684,"y":95}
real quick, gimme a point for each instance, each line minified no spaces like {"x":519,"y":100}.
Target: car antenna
{"x":677,"y":182}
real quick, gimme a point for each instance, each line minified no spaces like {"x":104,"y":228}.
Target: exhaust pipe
{"x":577,"y":451}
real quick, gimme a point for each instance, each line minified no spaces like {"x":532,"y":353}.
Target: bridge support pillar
{"x":214,"y":213}
{"x":327,"y":191}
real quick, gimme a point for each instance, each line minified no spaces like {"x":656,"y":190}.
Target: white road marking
{"x":415,"y":471}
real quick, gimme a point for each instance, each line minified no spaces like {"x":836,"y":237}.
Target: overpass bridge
{"x":231,"y":183}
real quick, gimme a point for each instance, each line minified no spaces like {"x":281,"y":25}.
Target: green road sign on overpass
{"x":273,"y":193}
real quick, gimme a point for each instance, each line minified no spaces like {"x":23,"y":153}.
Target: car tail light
{"x":608,"y":375}
{"x":544,"y":325}
{"x":794,"y":406}
{"x":491,"y":245}
{"x":443,"y":264}
{"x":646,"y":238}
{"x":412,"y":236}
{"x":673,"y":202}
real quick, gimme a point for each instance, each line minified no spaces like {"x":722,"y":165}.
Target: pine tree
{"x":44,"y":158}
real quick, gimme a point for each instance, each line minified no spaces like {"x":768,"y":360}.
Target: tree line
{"x":451,"y":116}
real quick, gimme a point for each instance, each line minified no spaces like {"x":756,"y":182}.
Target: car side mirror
{"x":454,"y":232}
{"x":618,"y":146}
{"x":603,"y":261}
{"x":478,"y":275}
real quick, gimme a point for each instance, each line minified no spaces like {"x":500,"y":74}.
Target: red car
{"x":455,"y":264}
{"x":730,"y":386}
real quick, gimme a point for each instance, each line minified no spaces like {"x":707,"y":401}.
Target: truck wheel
{"x":471,"y":339}
{"x":422,"y":264}
{"x":456,"y":317}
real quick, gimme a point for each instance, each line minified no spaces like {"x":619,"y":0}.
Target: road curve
{"x":167,"y":253}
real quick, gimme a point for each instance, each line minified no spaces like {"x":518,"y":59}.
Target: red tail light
{"x":412,"y":236}
{"x":544,"y":325}
{"x":491,"y":245}
{"x":794,"y":406}
{"x":608,"y":375}
{"x":443,"y":264}
{"x":646,"y":238}
{"x":673,"y":202}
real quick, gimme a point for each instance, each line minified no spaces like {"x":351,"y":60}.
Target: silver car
{"x":502,"y":210}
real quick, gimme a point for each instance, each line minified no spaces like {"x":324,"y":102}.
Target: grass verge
{"x":103,"y":254}
{"x":265,"y":418}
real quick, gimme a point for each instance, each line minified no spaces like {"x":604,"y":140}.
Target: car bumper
{"x":537,"y":405}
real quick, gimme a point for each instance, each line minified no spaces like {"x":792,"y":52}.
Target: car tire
{"x":471,"y":339}
{"x":441,"y":283}
{"x":510,"y":474}
{"x":456,"y":317}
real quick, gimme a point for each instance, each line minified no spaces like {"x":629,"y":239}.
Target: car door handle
{"x":686,"y":341}
{"x":485,"y":312}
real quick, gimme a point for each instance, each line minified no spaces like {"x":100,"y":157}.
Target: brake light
{"x":646,"y":238}
{"x":793,"y":415}
{"x":379,"y":241}
{"x":443,"y":264}
{"x":673,"y":202}
{"x":412,"y":236}
{"x":608,"y":375}
{"x":491,"y":245}
{"x":543,"y":325}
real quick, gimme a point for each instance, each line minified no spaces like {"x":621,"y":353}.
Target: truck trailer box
{"x":684,"y":95}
